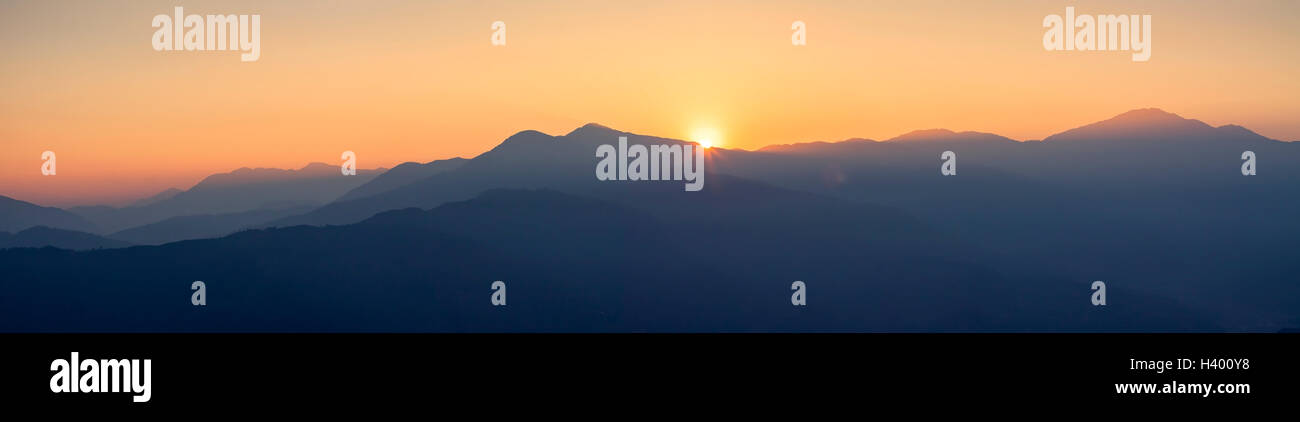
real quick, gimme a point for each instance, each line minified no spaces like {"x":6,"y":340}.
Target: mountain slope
{"x":1147,"y":196}
{"x":526,"y":160}
{"x":402,"y":175}
{"x":18,"y":215}
{"x":202,"y":226}
{"x":245,"y":189}
{"x":159,"y":197}
{"x":1184,"y":241}
{"x":1152,"y":124}
{"x":41,"y":236}
{"x":570,"y":263}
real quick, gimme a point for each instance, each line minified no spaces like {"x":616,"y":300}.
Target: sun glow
{"x":706,"y":137}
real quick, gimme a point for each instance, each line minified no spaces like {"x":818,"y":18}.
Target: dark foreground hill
{"x":41,"y":236}
{"x":570,"y":264}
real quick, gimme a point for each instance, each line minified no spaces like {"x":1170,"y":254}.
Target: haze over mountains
{"x":17,"y":215}
{"x":203,"y":226}
{"x":218,"y":205}
{"x":242,"y":190}
{"x":41,"y":236}
{"x":572,"y":264}
{"x":159,"y":197}
{"x":1150,"y":202}
{"x":402,"y":175}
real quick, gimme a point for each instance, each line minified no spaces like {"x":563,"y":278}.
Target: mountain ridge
{"x":1142,"y":119}
{"x":42,"y":236}
{"x":17,"y":215}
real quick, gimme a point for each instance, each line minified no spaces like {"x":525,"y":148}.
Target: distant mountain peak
{"x":245,"y":175}
{"x":1147,"y":114}
{"x":797,"y":146}
{"x":1238,"y":131}
{"x":593,"y":130}
{"x":406,"y":166}
{"x":935,"y":131}
{"x":1153,"y":124}
{"x":316,"y":166}
{"x":448,"y":160}
{"x":524,"y":139}
{"x":1151,"y":117}
{"x":925,"y":134}
{"x":401,"y":175}
{"x":527,"y":134}
{"x":948,"y":135}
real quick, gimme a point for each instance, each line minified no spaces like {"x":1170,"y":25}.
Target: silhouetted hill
{"x":401,"y":175}
{"x":570,"y":263}
{"x":1140,"y":152}
{"x":1148,"y":197}
{"x":401,"y":271}
{"x":1132,"y":208}
{"x":1152,"y":124}
{"x":1149,"y":202}
{"x":526,"y":160}
{"x":818,"y":147}
{"x":159,"y":197}
{"x":933,"y":135}
{"x":1156,"y":150}
{"x":41,"y":236}
{"x":245,"y":189}
{"x":202,"y":226}
{"x":18,"y":215}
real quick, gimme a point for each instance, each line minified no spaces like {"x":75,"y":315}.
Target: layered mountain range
{"x":1150,"y":202}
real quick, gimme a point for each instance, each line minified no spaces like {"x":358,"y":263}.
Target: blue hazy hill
{"x":16,"y":215}
{"x":241,"y":190}
{"x":1151,"y":203}
{"x":41,"y":236}
{"x":571,"y":264}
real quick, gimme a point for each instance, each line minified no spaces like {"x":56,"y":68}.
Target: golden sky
{"x":409,"y":80}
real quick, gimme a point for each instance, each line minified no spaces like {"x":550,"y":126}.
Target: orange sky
{"x":419,"y":80}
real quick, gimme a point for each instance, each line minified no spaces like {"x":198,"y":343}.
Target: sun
{"x":706,"y":137}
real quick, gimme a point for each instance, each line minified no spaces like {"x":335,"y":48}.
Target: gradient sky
{"x":403,"y":81}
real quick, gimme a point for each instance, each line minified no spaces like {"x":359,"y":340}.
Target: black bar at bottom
{"x":457,"y":369}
